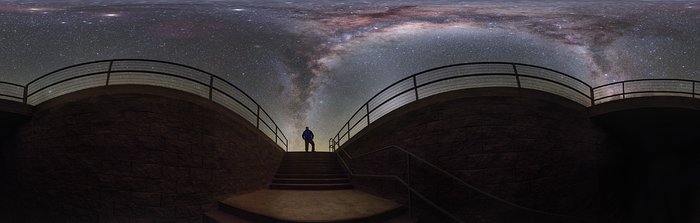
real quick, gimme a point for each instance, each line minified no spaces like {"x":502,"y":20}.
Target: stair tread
{"x":314,"y":206}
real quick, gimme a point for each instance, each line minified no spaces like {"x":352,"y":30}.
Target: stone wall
{"x":526,"y":147}
{"x":654,"y":173}
{"x":10,"y":122}
{"x":136,"y":154}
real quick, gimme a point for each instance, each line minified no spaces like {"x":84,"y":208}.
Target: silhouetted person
{"x":308,"y":137}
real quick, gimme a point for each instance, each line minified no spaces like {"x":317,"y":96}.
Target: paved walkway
{"x":312,"y":206}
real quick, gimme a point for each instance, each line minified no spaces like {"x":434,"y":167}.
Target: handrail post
{"x":592,"y":96}
{"x":415,"y":87}
{"x":258,"y":120}
{"x":348,"y":130}
{"x":211,"y":87}
{"x":623,"y":90}
{"x":367,"y":105}
{"x":109,"y":72}
{"x":24,"y":98}
{"x":517,"y":76}
{"x":693,"y":89}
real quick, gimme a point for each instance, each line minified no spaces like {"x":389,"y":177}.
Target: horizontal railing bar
{"x":559,"y":83}
{"x":119,"y":60}
{"x":391,"y":98}
{"x":504,"y":74}
{"x":13,"y":84}
{"x":114,"y":72}
{"x":12,"y":96}
{"x":29,"y":94}
{"x":358,"y":122}
{"x":644,"y":79}
{"x":268,"y":126}
{"x":237,"y":101}
{"x":647,"y":92}
{"x":249,"y":109}
{"x":239,"y":90}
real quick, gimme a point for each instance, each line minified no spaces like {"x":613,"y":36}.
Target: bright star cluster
{"x":313,"y":63}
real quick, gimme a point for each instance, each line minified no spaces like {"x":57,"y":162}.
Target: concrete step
{"x":321,"y":186}
{"x":310,"y":180}
{"x":310,"y":206}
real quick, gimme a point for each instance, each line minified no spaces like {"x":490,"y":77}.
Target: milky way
{"x":313,"y":63}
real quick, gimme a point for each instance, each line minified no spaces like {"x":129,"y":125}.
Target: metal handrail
{"x":588,"y":92}
{"x":19,"y":98}
{"x":154,"y":65}
{"x":624,"y":91}
{"x":411,"y":156}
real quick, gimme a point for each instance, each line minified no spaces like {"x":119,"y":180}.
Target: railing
{"x":145,"y":72}
{"x":347,"y":161}
{"x":644,"y":88}
{"x":11,"y":91}
{"x":502,"y":74}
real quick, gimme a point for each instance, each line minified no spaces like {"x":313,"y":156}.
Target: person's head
{"x":307,"y":127}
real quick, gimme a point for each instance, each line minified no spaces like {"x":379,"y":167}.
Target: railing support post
{"x":348,"y":130}
{"x":367,"y":105}
{"x":623,"y":90}
{"x":211,"y":87}
{"x":693,"y":89}
{"x":592,"y":96}
{"x":109,"y":72}
{"x":517,"y":77}
{"x":24,"y":98}
{"x":415,"y":87}
{"x":258,"y":118}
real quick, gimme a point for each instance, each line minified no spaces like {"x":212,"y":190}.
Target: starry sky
{"x":313,"y":63}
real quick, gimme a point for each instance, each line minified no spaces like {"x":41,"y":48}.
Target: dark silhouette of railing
{"x":346,"y":160}
{"x":502,"y":74}
{"x":11,"y":91}
{"x":145,"y":72}
{"x":646,"y":87}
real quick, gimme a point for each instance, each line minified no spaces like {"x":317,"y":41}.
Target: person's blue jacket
{"x":307,"y":135}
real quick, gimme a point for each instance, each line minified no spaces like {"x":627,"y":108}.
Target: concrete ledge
{"x":645,"y":102}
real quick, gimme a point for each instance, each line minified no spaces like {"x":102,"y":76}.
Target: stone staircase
{"x":310,"y":171}
{"x":308,"y":187}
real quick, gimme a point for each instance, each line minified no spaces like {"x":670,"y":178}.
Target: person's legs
{"x":313,"y":146}
{"x":306,"y":145}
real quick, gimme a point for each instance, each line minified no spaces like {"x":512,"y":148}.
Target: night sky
{"x":313,"y":63}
